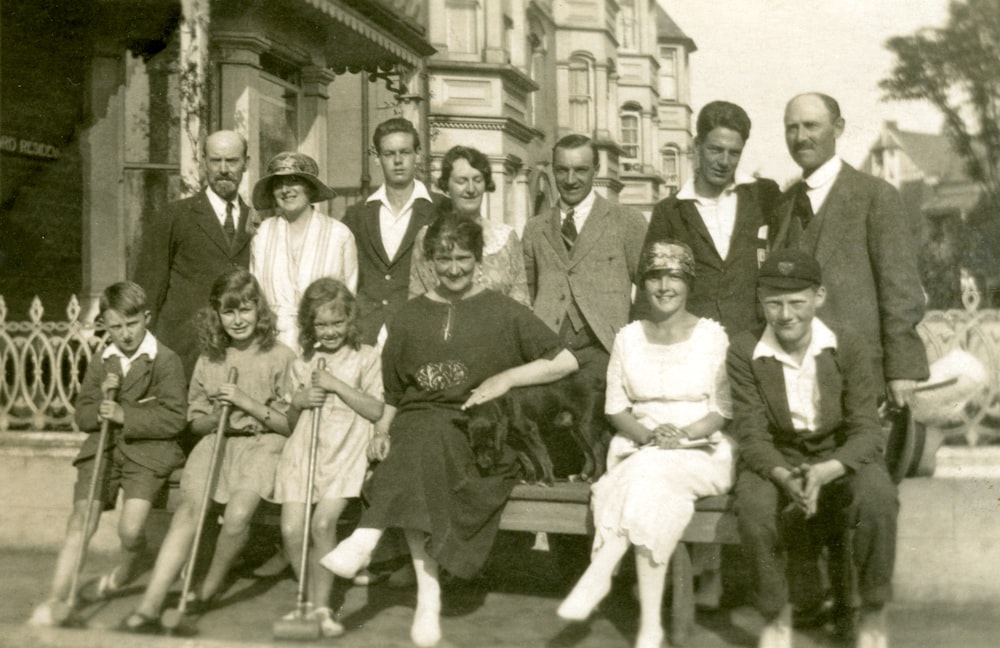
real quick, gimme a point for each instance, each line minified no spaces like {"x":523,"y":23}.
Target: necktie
{"x":802,"y":207}
{"x":569,"y":230}
{"x":229,"y":227}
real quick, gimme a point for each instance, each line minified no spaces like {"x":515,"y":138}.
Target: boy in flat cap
{"x":811,"y":471}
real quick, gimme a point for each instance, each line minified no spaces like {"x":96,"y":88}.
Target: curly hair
{"x":327,"y":291}
{"x":450,"y":230}
{"x":231,"y":290}
{"x":476,"y":159}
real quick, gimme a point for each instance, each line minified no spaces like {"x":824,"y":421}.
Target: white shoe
{"x":426,"y":629}
{"x":649,"y":640}
{"x":348,"y":558}
{"x":589,"y":591}
{"x":327,"y":624}
{"x":778,"y":633}
{"x":872,"y":631}
{"x":42,"y":615}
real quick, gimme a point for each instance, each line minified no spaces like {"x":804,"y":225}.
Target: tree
{"x":957,"y":69}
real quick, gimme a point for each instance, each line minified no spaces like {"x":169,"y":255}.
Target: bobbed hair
{"x":476,"y":159}
{"x":452,"y":230}
{"x":231,"y":290}
{"x":327,"y":291}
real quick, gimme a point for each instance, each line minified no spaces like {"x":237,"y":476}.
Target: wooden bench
{"x":565,"y":508}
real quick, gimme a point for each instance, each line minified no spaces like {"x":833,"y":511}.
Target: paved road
{"x":513,"y":606}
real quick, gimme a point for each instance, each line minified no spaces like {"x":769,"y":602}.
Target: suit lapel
{"x":421,"y":214}
{"x":242,"y":235}
{"x":553,"y":233}
{"x":138,"y":374}
{"x":837,"y":208}
{"x":373,"y":231}
{"x":692,"y":217}
{"x":828,"y":378}
{"x":209,"y":223}
{"x":772,"y":385}
{"x":592,"y":232}
{"x":743,"y":233}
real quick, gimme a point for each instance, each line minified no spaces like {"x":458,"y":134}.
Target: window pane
{"x":579,"y":80}
{"x":279,"y":119}
{"x":579,"y":112}
{"x":668,"y":73}
{"x":630,"y":135}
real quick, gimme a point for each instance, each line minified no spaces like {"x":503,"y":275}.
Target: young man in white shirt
{"x":811,"y":471}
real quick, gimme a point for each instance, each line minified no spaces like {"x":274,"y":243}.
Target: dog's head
{"x":486,"y":430}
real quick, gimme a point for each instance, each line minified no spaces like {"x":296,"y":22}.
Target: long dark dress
{"x":429,"y":480}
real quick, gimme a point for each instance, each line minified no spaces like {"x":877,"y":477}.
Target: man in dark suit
{"x":385,"y":225}
{"x":811,"y":471}
{"x":581,"y":257}
{"x":191,"y":243}
{"x":855,"y":226}
{"x":724,"y":218}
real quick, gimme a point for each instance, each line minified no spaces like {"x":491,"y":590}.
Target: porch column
{"x":602,"y":130}
{"x":238,"y":59}
{"x":315,"y":93}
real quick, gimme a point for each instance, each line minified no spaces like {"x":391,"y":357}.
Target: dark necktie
{"x":229,"y":227}
{"x":569,"y":230}
{"x":802,"y":207}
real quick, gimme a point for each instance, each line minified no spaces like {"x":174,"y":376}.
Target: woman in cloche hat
{"x":298,"y":244}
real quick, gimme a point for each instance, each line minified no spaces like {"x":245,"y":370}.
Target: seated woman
{"x":299,"y":244}
{"x":456,"y":346}
{"x":466,"y":177}
{"x":667,"y":387}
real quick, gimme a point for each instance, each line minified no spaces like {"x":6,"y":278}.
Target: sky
{"x":760,"y":53}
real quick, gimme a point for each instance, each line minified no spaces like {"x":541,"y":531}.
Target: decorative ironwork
{"x":42,"y":366}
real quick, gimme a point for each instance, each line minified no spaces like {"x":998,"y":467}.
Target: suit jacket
{"x":184,"y":250}
{"x":762,"y":424}
{"x":597,"y":277}
{"x":867,"y":248}
{"x":154,"y":398}
{"x":383,"y":283}
{"x":724,"y":289}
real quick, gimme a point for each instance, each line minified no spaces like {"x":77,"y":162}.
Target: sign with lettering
{"x":27,"y":147}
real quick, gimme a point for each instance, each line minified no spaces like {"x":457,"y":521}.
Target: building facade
{"x":106,"y":102}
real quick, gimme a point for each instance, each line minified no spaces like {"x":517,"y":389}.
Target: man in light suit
{"x":385,"y":225}
{"x":811,"y":471}
{"x":723,"y":217}
{"x":191,"y":243}
{"x":581,"y":257}
{"x":855,"y":226}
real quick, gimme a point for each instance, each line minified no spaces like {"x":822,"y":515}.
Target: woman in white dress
{"x":668,"y":399}
{"x":299,"y":244}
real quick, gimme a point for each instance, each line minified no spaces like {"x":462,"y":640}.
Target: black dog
{"x":563,"y":419}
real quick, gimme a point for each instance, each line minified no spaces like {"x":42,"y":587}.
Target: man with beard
{"x":191,"y":243}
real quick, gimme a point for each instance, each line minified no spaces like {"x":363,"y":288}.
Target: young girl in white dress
{"x":667,"y":389}
{"x":348,"y":397}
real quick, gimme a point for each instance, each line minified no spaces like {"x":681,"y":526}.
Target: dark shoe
{"x":816,"y":616}
{"x":138,"y":623}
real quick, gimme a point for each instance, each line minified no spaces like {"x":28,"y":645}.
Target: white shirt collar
{"x":688,"y":192}
{"x":581,"y":209}
{"x":147,"y":347}
{"x":419,"y":191}
{"x":769,"y":347}
{"x":825,"y":174}
{"x":219,"y":205}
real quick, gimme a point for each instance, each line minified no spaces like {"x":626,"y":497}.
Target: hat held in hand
{"x":291,"y":164}
{"x":957,"y":380}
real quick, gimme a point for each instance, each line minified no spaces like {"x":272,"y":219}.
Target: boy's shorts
{"x":137,"y":481}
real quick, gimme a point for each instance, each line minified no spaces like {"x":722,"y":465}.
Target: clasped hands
{"x":804,"y":482}
{"x":667,"y":437}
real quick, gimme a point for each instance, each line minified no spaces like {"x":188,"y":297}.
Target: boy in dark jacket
{"x":145,"y":418}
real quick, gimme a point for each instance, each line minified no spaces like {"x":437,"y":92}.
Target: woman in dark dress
{"x":456,"y":346}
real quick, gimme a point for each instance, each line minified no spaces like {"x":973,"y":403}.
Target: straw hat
{"x":289,"y":163}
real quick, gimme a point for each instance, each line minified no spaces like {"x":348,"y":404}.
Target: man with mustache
{"x":581,"y":258}
{"x":855,"y":227}
{"x":191,"y":243}
{"x":725,"y":219}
